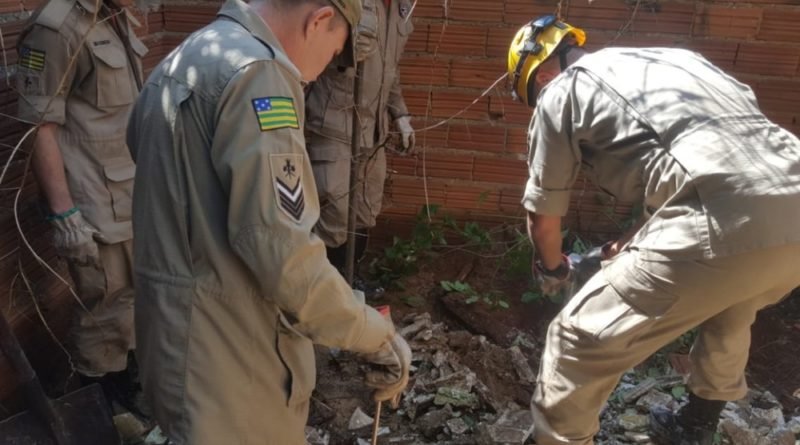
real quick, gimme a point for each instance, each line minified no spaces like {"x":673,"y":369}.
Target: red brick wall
{"x":474,"y":163}
{"x":459,"y":48}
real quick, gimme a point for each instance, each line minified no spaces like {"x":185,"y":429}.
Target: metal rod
{"x":350,"y":263}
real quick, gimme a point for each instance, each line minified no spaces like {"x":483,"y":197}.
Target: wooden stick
{"x":376,"y":424}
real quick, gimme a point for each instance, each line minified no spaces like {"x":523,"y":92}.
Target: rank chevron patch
{"x":288,"y":184}
{"x":292,"y":199}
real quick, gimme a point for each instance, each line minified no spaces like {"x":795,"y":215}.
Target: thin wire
{"x":465,"y":109}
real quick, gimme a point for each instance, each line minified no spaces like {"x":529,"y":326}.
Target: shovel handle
{"x":39,"y":403}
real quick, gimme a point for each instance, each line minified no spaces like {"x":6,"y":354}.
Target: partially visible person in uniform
{"x":233,"y":288}
{"x":720,"y":184}
{"x":382,"y":34}
{"x":78,"y":80}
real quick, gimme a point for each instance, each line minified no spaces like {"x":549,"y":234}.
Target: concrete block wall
{"x":473,"y":162}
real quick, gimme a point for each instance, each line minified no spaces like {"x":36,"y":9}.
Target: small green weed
{"x":493,"y":299}
{"x":400,"y":259}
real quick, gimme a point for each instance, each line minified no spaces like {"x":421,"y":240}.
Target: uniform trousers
{"x":635,"y":306}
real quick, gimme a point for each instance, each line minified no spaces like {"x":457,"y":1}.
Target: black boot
{"x":338,"y":257}
{"x":694,"y":424}
{"x":120,"y":388}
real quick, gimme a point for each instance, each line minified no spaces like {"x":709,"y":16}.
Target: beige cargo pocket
{"x":297,"y":353}
{"x":603,"y":315}
{"x":617,"y":313}
{"x":115,"y":86}
{"x":119,"y":181}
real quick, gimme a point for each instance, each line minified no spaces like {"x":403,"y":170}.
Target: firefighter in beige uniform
{"x":233,"y":286}
{"x":382,"y":34}
{"x":720,"y":184}
{"x":82,"y":163}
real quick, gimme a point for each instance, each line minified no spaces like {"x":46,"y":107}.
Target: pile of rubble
{"x":467,"y":390}
{"x":758,"y":419}
{"x":447,"y":402}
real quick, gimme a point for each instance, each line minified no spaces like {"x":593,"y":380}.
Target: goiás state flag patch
{"x":274,"y":113}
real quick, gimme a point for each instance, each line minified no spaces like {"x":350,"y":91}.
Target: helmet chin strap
{"x":562,"y":57}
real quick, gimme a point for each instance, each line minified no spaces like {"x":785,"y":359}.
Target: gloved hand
{"x":74,"y":238}
{"x":403,"y":125}
{"x":553,"y":282}
{"x":389,"y":377}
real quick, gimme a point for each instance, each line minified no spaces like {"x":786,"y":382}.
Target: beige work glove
{"x":408,"y":139}
{"x":558,"y":282}
{"x":389,"y":376}
{"x":74,"y":239}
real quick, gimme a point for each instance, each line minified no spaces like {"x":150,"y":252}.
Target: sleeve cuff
{"x":42,"y":109}
{"x":546,"y":202}
{"x":377,"y":331}
{"x":398,"y":110}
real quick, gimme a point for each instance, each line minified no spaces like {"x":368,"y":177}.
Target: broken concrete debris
{"x":521,"y":365}
{"x":454,"y":399}
{"x":756,"y":420}
{"x":656,"y":398}
{"x":317,"y":436}
{"x":513,"y":427}
{"x":433,"y":422}
{"x":457,"y":426}
{"x":632,"y":421}
{"x":359,"y":420}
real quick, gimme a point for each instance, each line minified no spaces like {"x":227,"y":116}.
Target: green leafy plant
{"x":414,"y":301}
{"x":400,"y":259}
{"x":493,"y":299}
{"x":476,"y":235}
{"x":518,"y":260}
{"x":532,"y":296}
{"x":678,"y":392}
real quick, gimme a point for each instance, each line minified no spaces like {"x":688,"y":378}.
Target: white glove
{"x":74,"y":238}
{"x":557,"y":282}
{"x":403,"y":125}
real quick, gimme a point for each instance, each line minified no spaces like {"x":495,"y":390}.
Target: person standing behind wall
{"x":382,"y":35}
{"x":79,"y":74}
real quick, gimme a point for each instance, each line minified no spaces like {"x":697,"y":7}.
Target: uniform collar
{"x":90,"y":6}
{"x":240,"y":12}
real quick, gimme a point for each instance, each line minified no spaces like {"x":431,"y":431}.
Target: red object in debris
{"x":384,"y":310}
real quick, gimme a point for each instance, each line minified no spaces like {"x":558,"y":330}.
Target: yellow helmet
{"x":534,"y":44}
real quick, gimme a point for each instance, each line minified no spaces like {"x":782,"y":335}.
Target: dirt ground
{"x":774,"y":365}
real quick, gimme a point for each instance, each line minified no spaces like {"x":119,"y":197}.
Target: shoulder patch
{"x":31,"y":59}
{"x":288,"y":184}
{"x":274,"y":113}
